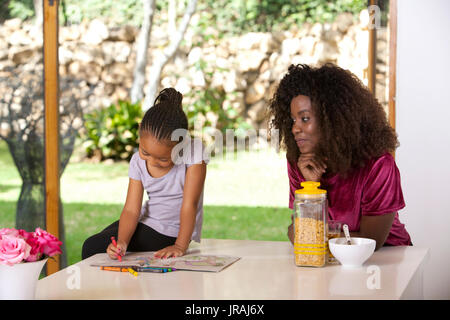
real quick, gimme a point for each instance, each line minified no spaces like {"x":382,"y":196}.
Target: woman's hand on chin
{"x":311,"y":168}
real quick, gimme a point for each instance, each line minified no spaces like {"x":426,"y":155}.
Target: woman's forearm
{"x":376,"y":228}
{"x":378,"y":238}
{"x":290,"y":233}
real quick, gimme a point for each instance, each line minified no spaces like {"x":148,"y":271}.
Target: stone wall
{"x":246,"y":69}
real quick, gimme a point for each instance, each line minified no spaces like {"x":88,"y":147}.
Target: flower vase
{"x":18,"y":282}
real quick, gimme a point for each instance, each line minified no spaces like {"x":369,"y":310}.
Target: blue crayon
{"x":154,"y":269}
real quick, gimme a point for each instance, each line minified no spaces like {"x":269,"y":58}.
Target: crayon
{"x":113,"y":240}
{"x":155,"y":269}
{"x":132,"y":271}
{"x":120,"y":269}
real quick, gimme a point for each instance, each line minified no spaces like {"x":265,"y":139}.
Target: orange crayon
{"x":120,"y":269}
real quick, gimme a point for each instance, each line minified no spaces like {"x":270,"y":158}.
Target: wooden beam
{"x":392,"y":62}
{"x":372,"y":69}
{"x":51,"y":100}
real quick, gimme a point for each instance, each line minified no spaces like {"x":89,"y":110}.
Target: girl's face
{"x":156,"y":153}
{"x":305,"y":126}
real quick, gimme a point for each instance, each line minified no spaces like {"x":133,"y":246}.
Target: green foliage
{"x":211,"y":100}
{"x":75,"y":11}
{"x":120,"y":12}
{"x":226,"y":16}
{"x":22,"y":9}
{"x":113,"y":132}
{"x":238,"y":16}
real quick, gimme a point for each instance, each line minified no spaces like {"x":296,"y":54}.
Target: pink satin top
{"x":369,"y":191}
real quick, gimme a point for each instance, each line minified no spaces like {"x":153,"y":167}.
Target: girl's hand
{"x":311,"y":168}
{"x":170,"y":252}
{"x":113,"y":251}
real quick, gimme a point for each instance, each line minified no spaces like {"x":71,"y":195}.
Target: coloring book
{"x":192,"y":262}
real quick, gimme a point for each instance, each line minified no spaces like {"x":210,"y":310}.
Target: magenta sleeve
{"x":382,"y":191}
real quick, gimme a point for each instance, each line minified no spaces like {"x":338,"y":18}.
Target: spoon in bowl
{"x":347,"y":234}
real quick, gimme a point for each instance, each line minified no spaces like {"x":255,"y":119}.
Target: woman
{"x":336,"y":132}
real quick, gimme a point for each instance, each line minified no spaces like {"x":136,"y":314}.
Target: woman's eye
{"x":305,"y":119}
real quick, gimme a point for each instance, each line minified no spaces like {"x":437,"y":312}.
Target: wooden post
{"x":372,"y":70}
{"x":392,"y":62}
{"x":51,"y":100}
{"x":392,"y":59}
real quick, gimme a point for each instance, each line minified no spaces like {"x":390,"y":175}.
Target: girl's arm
{"x":193,"y":187}
{"x":375,"y":227}
{"x":129,"y":217}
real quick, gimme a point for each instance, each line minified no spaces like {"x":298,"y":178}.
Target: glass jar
{"x":310,"y":225}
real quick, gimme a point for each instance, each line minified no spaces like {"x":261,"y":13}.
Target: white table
{"x":266,"y":271}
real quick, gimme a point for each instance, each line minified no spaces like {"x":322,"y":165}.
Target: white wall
{"x":423,"y":127}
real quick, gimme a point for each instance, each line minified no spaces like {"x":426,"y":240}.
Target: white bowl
{"x":353,"y":255}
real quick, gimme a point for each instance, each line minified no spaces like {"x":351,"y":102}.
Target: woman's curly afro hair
{"x":352,"y":124}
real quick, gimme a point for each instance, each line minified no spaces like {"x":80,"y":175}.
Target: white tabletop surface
{"x":266,"y":271}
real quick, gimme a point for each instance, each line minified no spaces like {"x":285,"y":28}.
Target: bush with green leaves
{"x":120,"y":12}
{"x":227,"y":16}
{"x":240,"y":16}
{"x":211,"y":100}
{"x":112,"y":133}
{"x":22,"y":9}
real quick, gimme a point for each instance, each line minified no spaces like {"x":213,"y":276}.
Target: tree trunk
{"x":166,"y":55}
{"x":172,"y":16}
{"x":137,"y":89}
{"x":39,"y":15}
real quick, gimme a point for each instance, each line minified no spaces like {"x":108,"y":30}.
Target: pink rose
{"x":13,"y":250}
{"x":49,"y":244}
{"x":24,"y":234}
{"x":32,"y":241}
{"x":8,"y":231}
{"x":36,"y":249}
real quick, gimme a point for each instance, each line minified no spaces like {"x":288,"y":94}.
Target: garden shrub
{"x":112,"y":132}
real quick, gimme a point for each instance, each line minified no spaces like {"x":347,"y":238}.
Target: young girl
{"x":173,"y":213}
{"x":336,"y":132}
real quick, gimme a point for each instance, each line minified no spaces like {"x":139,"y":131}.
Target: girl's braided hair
{"x":352,"y":124}
{"x":165,"y":116}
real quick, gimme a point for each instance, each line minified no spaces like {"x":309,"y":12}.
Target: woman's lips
{"x":301,"y":142}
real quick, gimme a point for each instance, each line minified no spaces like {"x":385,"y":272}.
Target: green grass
{"x":239,"y":222}
{"x":245,"y":197}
